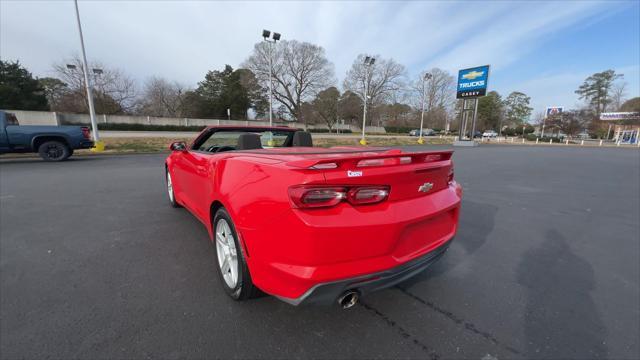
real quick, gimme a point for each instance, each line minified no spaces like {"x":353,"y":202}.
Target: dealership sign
{"x":472,"y":82}
{"x":554,"y":110}
{"x":620,"y":116}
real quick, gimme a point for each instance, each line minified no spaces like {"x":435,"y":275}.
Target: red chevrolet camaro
{"x":313,"y":225}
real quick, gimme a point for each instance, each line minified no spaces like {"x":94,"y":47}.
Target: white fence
{"x":53,"y":118}
{"x":566,"y":141}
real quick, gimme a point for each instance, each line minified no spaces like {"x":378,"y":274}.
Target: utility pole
{"x":368,"y":62}
{"x":92,"y":113}
{"x":271,"y":84}
{"x":475,"y":117}
{"x":426,"y":77}
{"x":266,"y":34}
{"x":271,"y":38}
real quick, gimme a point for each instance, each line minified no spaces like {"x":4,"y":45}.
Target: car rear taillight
{"x":305,"y":197}
{"x":450,"y":176}
{"x":367,"y":195}
{"x":86,"y":132}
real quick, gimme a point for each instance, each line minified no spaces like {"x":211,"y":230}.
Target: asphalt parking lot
{"x":94,"y":263}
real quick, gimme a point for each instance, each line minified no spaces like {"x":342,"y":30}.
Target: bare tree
{"x":161,"y":98}
{"x":300,"y":71}
{"x":114,"y":91}
{"x":618,"y":94}
{"x":439,"y":92}
{"x":539,"y":119}
{"x":383,"y":79}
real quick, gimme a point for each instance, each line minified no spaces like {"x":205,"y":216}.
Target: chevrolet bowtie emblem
{"x":425,"y":187}
{"x":472,"y":75}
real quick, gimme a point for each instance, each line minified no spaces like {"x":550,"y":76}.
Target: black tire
{"x":244,"y":288}
{"x":54,"y":151}
{"x":170,"y":193}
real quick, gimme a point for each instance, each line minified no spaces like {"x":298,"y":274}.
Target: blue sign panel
{"x":554,"y":110}
{"x":472,"y":82}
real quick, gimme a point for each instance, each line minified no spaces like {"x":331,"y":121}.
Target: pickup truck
{"x":52,"y":143}
{"x":313,"y":225}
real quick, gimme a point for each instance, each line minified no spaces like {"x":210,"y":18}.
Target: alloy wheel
{"x":227,"y":253}
{"x":170,"y":187}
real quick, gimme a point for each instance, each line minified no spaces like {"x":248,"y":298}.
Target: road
{"x":94,"y":263}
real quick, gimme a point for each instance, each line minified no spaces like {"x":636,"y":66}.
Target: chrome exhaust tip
{"x":348,"y":299}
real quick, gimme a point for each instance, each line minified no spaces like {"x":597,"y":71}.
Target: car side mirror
{"x":178,"y":146}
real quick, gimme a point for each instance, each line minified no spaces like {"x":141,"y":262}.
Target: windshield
{"x":226,"y":140}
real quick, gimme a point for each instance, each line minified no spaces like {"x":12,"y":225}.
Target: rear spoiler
{"x":386,"y":159}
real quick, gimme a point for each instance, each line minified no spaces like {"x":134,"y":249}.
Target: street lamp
{"x":95,"y":71}
{"x":99,"y":146}
{"x":271,"y":38}
{"x":96,"y":74}
{"x":368,"y":63}
{"x":427,"y":76}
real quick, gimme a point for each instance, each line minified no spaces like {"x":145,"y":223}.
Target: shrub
{"x":398,"y":129}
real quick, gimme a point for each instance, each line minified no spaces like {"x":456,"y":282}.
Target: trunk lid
{"x":409,"y":175}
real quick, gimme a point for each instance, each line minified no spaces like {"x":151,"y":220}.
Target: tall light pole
{"x":271,"y":38}
{"x":368,"y":63}
{"x":85,"y":69}
{"x":426,"y":77}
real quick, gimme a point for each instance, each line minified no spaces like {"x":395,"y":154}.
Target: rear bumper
{"x":86,"y":144}
{"x":347,"y":243}
{"x":328,"y":293}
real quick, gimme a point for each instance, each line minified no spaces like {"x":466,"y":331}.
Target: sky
{"x":544,"y":49}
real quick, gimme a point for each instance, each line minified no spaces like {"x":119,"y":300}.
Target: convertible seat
{"x":249,"y":141}
{"x":302,"y":138}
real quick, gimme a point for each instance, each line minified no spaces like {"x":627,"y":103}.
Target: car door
{"x":198,"y":170}
{"x":4,"y":140}
{"x":11,"y":134}
{"x":197,"y":167}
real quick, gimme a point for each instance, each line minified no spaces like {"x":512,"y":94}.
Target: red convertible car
{"x":313,"y":225}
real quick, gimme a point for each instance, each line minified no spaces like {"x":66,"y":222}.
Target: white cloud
{"x":511,"y":35}
{"x":183,"y":40}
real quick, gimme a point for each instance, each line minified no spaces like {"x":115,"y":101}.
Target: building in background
{"x":626,"y":126}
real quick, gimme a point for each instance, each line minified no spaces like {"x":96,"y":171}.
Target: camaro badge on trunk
{"x":425,"y":187}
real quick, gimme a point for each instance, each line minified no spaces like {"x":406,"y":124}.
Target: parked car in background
{"x":489,"y":134}
{"x":425,"y":132}
{"x":52,"y":143}
{"x":313,"y":225}
{"x":584,"y":135}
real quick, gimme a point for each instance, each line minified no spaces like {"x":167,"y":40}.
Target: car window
{"x":12,"y":119}
{"x":229,"y":140}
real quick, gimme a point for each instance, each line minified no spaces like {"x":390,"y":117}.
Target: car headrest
{"x":302,"y":138}
{"x":249,"y":141}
